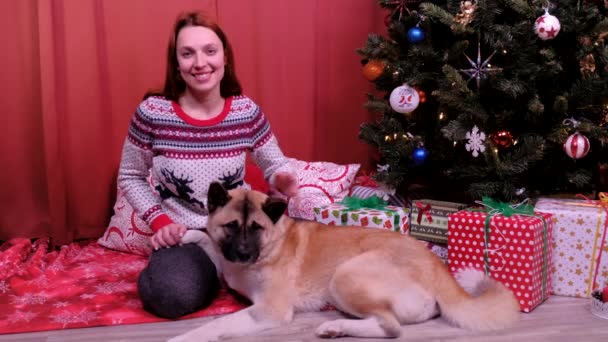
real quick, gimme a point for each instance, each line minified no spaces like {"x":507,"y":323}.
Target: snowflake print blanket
{"x":80,"y":285}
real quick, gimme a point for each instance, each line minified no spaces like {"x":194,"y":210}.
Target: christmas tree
{"x":504,"y":98}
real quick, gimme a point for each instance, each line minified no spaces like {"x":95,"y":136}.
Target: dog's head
{"x":241,"y":222}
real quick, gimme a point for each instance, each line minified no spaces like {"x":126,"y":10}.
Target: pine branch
{"x":521,"y":7}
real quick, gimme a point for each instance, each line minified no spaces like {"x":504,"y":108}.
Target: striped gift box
{"x":429,"y":220}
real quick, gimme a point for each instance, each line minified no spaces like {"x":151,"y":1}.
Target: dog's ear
{"x":274,"y":208}
{"x":217,"y":196}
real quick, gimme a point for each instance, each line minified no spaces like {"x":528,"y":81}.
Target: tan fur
{"x":385,"y":279}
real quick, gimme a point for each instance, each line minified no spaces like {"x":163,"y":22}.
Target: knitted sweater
{"x":183,"y":156}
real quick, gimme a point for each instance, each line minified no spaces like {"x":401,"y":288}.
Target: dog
{"x":382,"y":279}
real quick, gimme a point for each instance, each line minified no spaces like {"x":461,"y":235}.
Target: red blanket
{"x":81,"y":285}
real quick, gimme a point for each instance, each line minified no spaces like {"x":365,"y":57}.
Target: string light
{"x":441,"y":116}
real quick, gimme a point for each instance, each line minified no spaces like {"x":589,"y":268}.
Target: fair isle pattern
{"x":183,"y":156}
{"x":156,"y":126}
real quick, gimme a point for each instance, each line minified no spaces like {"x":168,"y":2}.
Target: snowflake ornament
{"x":475,"y":141}
{"x":383,"y":168}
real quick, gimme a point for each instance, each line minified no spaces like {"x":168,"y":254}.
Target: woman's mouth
{"x":202,"y":76}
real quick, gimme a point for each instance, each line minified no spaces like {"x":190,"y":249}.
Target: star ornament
{"x":478,"y":68}
{"x":547,"y":26}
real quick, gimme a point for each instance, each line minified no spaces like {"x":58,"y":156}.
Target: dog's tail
{"x":474,"y":301}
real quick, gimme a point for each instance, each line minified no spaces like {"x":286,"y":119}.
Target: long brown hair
{"x":174,"y":84}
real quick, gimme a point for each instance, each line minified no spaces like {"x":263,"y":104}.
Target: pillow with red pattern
{"x":320,"y":183}
{"x":127,"y":232}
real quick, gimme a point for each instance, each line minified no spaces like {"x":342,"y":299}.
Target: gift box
{"x":580,"y":250}
{"x":429,"y":220}
{"x":514,"y":249}
{"x":381,"y":216}
{"x":364,"y":192}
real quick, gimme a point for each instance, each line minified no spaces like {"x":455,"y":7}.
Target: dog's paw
{"x":330,"y":329}
{"x":193,"y":236}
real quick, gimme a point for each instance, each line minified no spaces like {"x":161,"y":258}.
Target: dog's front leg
{"x":248,"y":321}
{"x":203,"y":241}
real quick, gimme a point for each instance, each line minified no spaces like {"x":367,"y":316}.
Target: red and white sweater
{"x":184,"y":155}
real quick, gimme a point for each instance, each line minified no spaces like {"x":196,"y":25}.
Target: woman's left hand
{"x":286,"y":183}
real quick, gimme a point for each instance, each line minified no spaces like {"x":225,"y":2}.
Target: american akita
{"x":382,"y":279}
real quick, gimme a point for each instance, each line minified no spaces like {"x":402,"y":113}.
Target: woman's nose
{"x":199,"y":60}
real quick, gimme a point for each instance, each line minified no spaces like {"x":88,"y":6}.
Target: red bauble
{"x":373,"y":69}
{"x":576,"y":146}
{"x":422,"y":95}
{"x":502,"y":139}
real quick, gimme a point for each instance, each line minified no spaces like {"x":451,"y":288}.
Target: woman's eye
{"x":186,"y":54}
{"x":211,"y":51}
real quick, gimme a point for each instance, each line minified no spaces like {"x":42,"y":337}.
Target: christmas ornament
{"x":383,"y":168}
{"x":587,"y":65}
{"x":421,"y":94}
{"x":404,"y":99}
{"x":467,"y":9}
{"x":475,"y":141}
{"x":401,"y":6}
{"x":478,"y":68}
{"x":576,"y":146}
{"x":502,"y":139}
{"x":420,"y":154}
{"x":546,"y":26}
{"x":415,"y":35}
{"x":373,"y":69}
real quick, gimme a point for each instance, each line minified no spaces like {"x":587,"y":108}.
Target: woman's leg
{"x":177,"y":281}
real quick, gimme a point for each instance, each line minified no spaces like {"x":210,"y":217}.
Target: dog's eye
{"x":256,"y":226}
{"x":232,"y":225}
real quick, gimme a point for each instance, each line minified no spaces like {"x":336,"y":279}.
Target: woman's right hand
{"x":169,"y":235}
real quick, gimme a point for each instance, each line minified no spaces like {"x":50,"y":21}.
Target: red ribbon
{"x":366,"y":180}
{"x":424,"y":210}
{"x":603,"y":202}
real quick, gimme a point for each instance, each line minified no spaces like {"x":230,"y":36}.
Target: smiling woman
{"x":196,"y":131}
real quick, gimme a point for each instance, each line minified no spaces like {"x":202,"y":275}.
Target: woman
{"x":196,"y":131}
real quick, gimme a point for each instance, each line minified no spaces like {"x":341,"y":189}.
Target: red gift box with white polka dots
{"x":518,"y":252}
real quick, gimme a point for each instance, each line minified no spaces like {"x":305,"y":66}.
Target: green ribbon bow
{"x":373,"y":202}
{"x":354,"y":203}
{"x":493,"y":207}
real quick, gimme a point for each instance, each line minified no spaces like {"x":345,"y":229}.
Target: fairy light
{"x":441,"y":116}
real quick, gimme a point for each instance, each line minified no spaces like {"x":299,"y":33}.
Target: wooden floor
{"x":559,"y":319}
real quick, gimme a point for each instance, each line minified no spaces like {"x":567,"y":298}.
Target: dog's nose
{"x":243,"y":253}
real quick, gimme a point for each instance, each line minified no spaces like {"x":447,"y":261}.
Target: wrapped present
{"x":371,"y":212}
{"x":580,"y":249}
{"x":511,"y":244}
{"x":366,"y":192}
{"x":430,"y":219}
{"x":439,"y":250}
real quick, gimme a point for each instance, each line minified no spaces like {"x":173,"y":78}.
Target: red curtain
{"x":74,"y":71}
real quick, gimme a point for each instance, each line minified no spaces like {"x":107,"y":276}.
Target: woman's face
{"x":200,"y":58}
